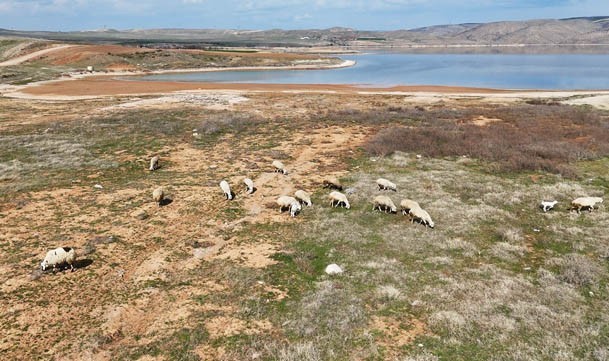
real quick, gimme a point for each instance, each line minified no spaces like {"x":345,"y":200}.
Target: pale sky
{"x":66,"y":15}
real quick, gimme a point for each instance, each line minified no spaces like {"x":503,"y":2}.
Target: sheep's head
{"x":347,"y":205}
{"x":295,"y":208}
{"x":44,"y":264}
{"x":430,"y":224}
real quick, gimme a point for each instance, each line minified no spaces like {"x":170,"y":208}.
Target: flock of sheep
{"x":66,"y":255}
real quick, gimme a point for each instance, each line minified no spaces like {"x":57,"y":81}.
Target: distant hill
{"x":571,"y":31}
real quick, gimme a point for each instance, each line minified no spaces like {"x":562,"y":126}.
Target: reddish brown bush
{"x":526,"y":137}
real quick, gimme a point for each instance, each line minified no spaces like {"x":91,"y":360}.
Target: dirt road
{"x":21,"y":59}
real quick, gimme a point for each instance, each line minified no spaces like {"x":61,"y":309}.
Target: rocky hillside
{"x":578,"y":31}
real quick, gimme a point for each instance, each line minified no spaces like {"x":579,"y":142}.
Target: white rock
{"x":98,"y":186}
{"x":333,"y":269}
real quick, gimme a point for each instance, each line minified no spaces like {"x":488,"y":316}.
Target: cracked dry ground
{"x":148,"y":272}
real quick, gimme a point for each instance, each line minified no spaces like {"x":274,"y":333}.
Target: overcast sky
{"x":66,"y":15}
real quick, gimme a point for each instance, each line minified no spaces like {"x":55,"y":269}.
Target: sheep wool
{"x":279,"y":167}
{"x":303,"y":197}
{"x":59,"y":256}
{"x":384,"y":203}
{"x":249,"y":184}
{"x":154,"y":163}
{"x":337,"y":198}
{"x":407,"y":204}
{"x":421,"y":215}
{"x":289,"y":202}
{"x":226,"y":189}
{"x":385,"y":184}
{"x":158,"y":195}
{"x":585,"y":202}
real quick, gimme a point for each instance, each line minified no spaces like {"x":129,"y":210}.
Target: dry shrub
{"x":300,"y":352}
{"x":579,"y":270}
{"x":529,"y":138}
{"x":226,"y":122}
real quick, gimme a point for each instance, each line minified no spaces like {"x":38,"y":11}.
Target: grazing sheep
{"x":384,"y":203}
{"x":406,"y":205}
{"x":547,"y":205}
{"x":339,"y":198}
{"x":226,"y":189}
{"x":385,"y":184}
{"x":295,"y":208}
{"x":279,"y":167}
{"x":154,"y":163}
{"x":158,"y":195}
{"x":289,"y":202}
{"x":249,"y":184}
{"x":332,"y":183}
{"x":585,"y":203}
{"x":421,"y":215}
{"x":59,"y":256}
{"x":303,"y":197}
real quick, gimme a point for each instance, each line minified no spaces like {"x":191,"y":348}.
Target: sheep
{"x":250,"y":185}
{"x":385,"y":184}
{"x":59,"y":256}
{"x":547,"y":205}
{"x":406,"y":205}
{"x":154,"y":163}
{"x":289,"y":202}
{"x":421,"y":215}
{"x":279,"y":167}
{"x":303,"y":197}
{"x":384,"y":203}
{"x":585,"y":202}
{"x":339,"y":198}
{"x":332,"y":183}
{"x":158,"y":195}
{"x":226,"y":189}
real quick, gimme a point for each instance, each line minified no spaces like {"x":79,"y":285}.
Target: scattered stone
{"x":140,"y":214}
{"x":350,"y":190}
{"x":36,"y":274}
{"x":333,"y":269}
{"x":98,"y":186}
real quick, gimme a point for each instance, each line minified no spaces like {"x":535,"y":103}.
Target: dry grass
{"x":206,"y":278}
{"x":530,"y":138}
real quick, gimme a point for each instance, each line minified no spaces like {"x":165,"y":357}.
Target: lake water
{"x":507,"y":71}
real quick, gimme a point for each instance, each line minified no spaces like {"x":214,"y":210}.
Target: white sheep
{"x":339,"y":198}
{"x":303,"y":197}
{"x":279,"y":167}
{"x":585,"y":202}
{"x":158,"y":195}
{"x":289,"y":202}
{"x":547,"y":205}
{"x":226,"y":189}
{"x":421,"y":215}
{"x":249,"y":184}
{"x":59,"y":256}
{"x":407,"y":204}
{"x":332,"y":183}
{"x":385,"y":184}
{"x":384,"y":203}
{"x":154,"y":163}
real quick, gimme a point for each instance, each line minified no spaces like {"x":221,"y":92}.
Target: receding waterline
{"x":505,"y":71}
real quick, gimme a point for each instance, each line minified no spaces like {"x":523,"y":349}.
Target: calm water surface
{"x":570,"y":71}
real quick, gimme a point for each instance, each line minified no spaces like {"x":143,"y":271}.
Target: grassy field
{"x":204,"y":279}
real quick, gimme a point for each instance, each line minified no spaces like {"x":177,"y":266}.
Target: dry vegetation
{"x":206,"y":279}
{"x":111,"y":58}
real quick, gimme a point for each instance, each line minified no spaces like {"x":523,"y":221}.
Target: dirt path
{"x":21,"y":59}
